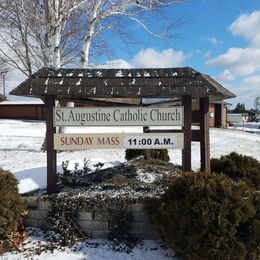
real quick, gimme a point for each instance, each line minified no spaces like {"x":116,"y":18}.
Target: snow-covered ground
{"x":20,"y":143}
{"x":250,"y":127}
{"x":36,"y":247}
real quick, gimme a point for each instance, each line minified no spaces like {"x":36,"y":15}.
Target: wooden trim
{"x":204,"y":135}
{"x":186,"y":152}
{"x":51,"y":153}
{"x":158,"y":131}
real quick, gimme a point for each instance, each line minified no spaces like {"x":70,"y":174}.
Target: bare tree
{"x":39,"y":33}
{"x":257,"y":103}
{"x":53,"y":33}
{"x":106,"y":15}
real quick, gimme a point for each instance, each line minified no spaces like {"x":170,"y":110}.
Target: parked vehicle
{"x":237,"y":118}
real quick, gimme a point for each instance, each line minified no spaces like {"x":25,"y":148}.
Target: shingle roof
{"x":111,"y":83}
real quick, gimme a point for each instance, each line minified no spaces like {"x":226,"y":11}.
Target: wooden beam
{"x":51,"y":153}
{"x":186,"y":152}
{"x":159,"y":131}
{"x":147,"y":152}
{"x":204,"y":135}
{"x":194,"y":133}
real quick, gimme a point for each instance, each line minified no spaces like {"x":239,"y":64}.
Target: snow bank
{"x":89,"y":249}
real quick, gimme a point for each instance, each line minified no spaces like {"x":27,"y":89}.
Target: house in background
{"x":234,"y":118}
{"x":217,"y":113}
{"x":24,"y":110}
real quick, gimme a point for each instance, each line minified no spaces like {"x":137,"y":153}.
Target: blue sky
{"x":219,"y":37}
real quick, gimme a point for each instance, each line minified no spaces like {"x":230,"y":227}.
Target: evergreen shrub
{"x":247,"y":169}
{"x":133,"y":153}
{"x":160,"y":154}
{"x":202,"y":217}
{"x":238,"y":167}
{"x":12,"y":206}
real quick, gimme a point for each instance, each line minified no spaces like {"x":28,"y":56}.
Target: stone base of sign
{"x":95,"y":223}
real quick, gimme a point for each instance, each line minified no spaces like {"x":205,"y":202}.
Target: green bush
{"x":238,"y":167}
{"x":12,"y":206}
{"x":247,"y":169}
{"x":202,"y":217}
{"x":133,"y":153}
{"x":160,"y":154}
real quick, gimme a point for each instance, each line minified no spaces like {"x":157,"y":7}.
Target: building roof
{"x":21,"y":102}
{"x":121,"y":83}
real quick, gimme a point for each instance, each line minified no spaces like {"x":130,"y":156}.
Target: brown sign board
{"x":118,"y":116}
{"x":118,"y":141}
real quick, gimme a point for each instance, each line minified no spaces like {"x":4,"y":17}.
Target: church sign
{"x":118,"y":141}
{"x":119,"y":116}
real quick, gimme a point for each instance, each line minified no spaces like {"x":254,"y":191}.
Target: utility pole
{"x":3,"y":73}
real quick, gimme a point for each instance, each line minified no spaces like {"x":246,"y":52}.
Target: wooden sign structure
{"x":115,"y":86}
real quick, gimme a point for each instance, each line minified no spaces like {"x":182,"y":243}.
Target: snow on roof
{"x":123,"y":83}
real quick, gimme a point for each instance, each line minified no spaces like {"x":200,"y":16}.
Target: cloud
{"x":213,"y":40}
{"x":247,"y":26}
{"x":115,"y":64}
{"x":238,"y":61}
{"x":149,"y":58}
{"x":253,"y":82}
{"x":242,"y":61}
{"x":226,"y":75}
{"x":152,"y":58}
{"x":247,"y":90}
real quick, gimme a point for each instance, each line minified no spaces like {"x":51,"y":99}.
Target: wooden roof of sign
{"x":121,"y":83}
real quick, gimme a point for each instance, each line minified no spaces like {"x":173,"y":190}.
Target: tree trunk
{"x":89,"y":35}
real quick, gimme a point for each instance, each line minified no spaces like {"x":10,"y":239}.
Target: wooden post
{"x":204,"y":135}
{"x":147,"y":152}
{"x":186,"y":152}
{"x":51,"y":153}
